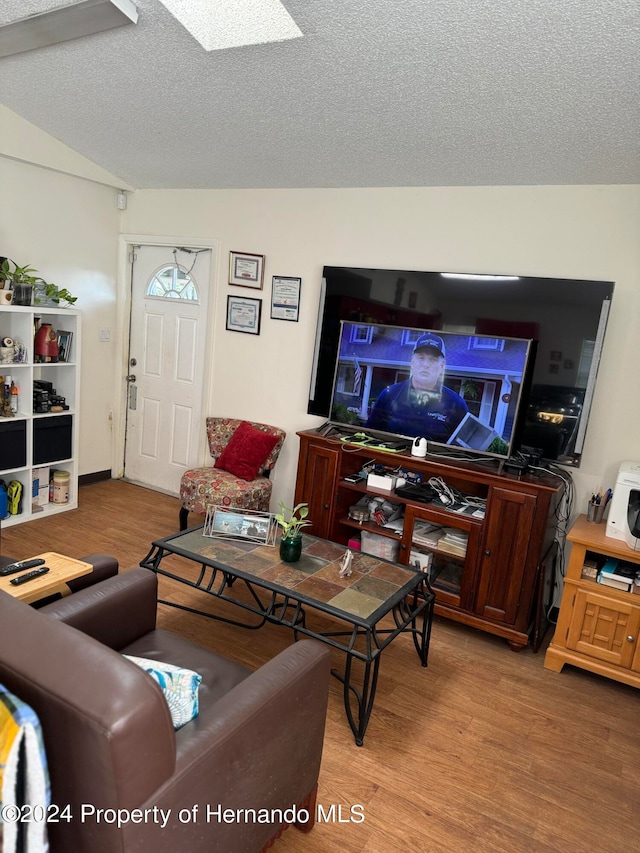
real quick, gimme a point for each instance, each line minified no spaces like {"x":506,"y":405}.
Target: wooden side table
{"x":62,"y":569}
{"x":598,"y":627}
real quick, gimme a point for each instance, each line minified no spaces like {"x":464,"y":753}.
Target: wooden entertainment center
{"x":498,"y":584}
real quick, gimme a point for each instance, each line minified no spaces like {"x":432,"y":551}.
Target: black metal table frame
{"x":412,"y":613}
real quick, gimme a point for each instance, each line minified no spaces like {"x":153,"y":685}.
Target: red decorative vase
{"x":46,"y":343}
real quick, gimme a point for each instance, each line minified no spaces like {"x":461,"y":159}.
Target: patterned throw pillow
{"x":180,"y":687}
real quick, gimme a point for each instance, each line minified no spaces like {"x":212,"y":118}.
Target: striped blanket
{"x":24,"y":779}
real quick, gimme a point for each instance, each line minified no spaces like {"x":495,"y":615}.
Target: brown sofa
{"x":110,"y":744}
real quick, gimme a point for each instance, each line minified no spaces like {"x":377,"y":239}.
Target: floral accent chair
{"x":244,"y":454}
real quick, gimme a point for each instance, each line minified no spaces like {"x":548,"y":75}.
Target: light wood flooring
{"x":484,"y":750}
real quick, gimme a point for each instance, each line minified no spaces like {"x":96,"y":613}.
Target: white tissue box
{"x":385,"y":484}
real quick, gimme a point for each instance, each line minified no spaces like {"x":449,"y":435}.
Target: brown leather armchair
{"x":109,"y":740}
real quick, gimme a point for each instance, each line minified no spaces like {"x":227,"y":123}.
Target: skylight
{"x":234,"y":23}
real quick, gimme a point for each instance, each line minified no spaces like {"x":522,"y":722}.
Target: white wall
{"x":61,"y":217}
{"x":568,"y":232}
{"x":67,"y":228}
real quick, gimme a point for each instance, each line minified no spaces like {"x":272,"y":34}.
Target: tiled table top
{"x":372,"y":589}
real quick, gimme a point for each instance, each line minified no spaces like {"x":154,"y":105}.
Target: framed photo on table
{"x":246,"y":270}
{"x":285,"y":298}
{"x":248,"y":525}
{"x":243,"y":315}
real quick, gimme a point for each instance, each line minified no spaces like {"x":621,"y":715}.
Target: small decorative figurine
{"x":345,"y":565}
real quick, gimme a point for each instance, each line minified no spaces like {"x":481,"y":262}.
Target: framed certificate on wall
{"x":285,"y":297}
{"x":246,"y":270}
{"x":243,"y":315}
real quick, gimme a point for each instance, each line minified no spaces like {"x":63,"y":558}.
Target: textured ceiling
{"x":375,"y":93}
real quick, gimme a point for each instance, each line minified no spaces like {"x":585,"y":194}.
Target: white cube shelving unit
{"x":29,"y":442}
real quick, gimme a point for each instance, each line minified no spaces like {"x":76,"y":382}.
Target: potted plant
{"x":23,"y":282}
{"x":19,"y":279}
{"x":17,"y":274}
{"x":292,"y":521}
{"x":51,"y":294}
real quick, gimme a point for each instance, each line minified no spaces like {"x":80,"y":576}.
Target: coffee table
{"x":297,"y":595}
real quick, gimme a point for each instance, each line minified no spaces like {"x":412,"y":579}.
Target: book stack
{"x":454,"y":541}
{"x":618,"y":574}
{"x":426,"y":534}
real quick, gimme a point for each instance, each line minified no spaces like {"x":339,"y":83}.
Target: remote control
{"x":29,"y":576}
{"x":12,"y":568}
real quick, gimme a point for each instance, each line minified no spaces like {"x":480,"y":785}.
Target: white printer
{"x":624,"y":513}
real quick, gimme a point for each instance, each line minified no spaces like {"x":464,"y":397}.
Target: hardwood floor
{"x":484,"y":750}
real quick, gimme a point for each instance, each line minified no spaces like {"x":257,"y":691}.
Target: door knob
{"x":630,"y":639}
{"x":131,"y":377}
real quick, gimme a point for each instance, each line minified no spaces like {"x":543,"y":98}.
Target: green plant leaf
{"x":292,"y":520}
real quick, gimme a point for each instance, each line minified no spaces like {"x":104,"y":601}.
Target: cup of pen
{"x":596,"y":508}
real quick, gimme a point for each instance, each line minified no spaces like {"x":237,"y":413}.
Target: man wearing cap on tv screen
{"x":421,"y":405}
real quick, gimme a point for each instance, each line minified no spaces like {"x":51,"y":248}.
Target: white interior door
{"x":166,"y":364}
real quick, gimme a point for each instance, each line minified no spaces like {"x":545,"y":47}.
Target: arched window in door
{"x":172,"y":282}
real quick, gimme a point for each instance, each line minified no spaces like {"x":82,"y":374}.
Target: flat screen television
{"x":566,"y":318}
{"x":457,"y":390}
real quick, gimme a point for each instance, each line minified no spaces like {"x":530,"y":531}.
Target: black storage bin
{"x":13,"y":444}
{"x":51,"y":439}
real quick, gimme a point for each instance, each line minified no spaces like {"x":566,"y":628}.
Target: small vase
{"x":22,"y":293}
{"x":46,"y":343}
{"x":290,"y":549}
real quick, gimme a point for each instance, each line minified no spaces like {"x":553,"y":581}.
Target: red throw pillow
{"x":247,"y":451}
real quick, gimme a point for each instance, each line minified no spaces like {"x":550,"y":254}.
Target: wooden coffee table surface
{"x":61,"y":570}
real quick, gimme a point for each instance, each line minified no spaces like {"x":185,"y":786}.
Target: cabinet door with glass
{"x":445,"y":546}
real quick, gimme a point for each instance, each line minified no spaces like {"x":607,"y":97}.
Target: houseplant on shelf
{"x":292,"y":521}
{"x":19,"y":279}
{"x":24,"y":283}
{"x":51,"y":294}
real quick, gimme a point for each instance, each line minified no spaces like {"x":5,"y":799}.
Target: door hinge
{"x":132,"y":257}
